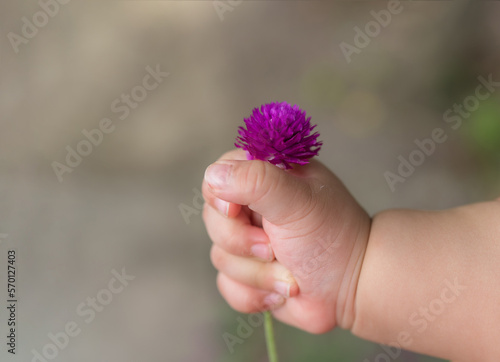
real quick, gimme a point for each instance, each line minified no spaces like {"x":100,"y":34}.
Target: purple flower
{"x":279,"y":133}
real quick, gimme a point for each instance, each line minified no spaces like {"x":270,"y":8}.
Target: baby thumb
{"x":275,"y":194}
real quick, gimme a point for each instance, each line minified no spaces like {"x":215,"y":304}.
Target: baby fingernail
{"x":217,"y":174}
{"x":283,"y":288}
{"x":262,"y":251}
{"x":222,"y":206}
{"x":273,"y":300}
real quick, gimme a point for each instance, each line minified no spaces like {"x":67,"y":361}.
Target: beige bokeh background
{"x":120,"y":206}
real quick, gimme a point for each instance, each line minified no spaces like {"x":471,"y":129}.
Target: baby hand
{"x":290,"y":241}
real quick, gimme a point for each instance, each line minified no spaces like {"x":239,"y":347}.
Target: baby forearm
{"x":430,"y":282}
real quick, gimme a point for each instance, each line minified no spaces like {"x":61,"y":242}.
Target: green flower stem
{"x":271,"y":344}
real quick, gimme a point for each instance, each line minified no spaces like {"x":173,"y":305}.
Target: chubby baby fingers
{"x":225,"y":208}
{"x":245,"y":299}
{"x":267,"y":276}
{"x":237,"y":236}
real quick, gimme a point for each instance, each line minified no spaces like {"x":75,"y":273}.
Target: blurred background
{"x":132,"y":202}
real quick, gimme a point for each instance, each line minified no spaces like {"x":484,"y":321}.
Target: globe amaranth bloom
{"x":279,"y":133}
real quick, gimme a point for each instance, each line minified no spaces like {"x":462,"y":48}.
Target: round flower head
{"x":279,"y":133}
